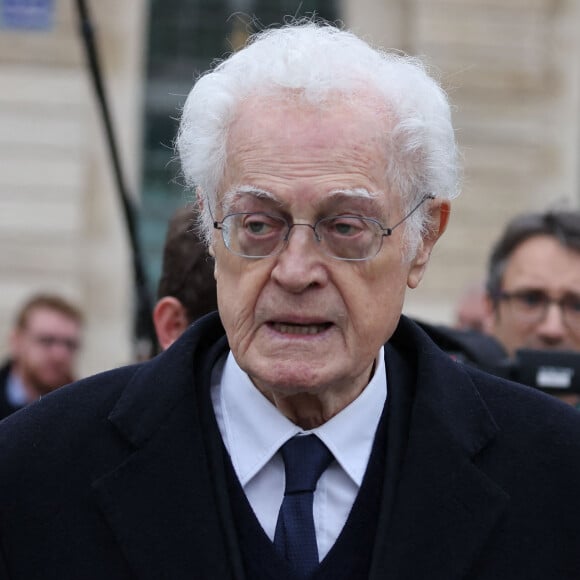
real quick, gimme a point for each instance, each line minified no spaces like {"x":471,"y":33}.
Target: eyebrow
{"x":230,"y":197}
{"x":540,"y":290}
{"x":357,"y":192}
{"x":372,"y":200}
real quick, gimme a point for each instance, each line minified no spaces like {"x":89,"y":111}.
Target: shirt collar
{"x":350,"y":434}
{"x":252,"y":443}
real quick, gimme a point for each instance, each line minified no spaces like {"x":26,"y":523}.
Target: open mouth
{"x":300,"y":329}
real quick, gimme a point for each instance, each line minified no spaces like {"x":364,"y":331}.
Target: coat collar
{"x":164,"y":508}
{"x":161,"y":383}
{"x":445,"y":507}
{"x":169,"y":494}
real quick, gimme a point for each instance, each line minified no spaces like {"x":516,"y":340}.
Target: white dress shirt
{"x":253,"y":430}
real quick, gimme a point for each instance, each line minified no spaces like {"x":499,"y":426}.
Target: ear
{"x":170,"y":320}
{"x":439,"y":212}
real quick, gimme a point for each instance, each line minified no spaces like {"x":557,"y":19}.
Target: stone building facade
{"x":511,"y":68}
{"x":61,"y":226}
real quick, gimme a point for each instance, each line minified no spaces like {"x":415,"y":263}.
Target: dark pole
{"x":144,"y":329}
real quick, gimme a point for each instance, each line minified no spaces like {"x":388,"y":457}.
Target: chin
{"x":289,"y":378}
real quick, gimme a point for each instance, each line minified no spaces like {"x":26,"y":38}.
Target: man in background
{"x":43,"y":347}
{"x":187,"y":286}
{"x":533,"y":284}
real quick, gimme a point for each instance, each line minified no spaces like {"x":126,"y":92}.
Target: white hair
{"x":314,"y":61}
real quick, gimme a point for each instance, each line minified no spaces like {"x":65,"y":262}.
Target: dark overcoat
{"x":121,"y":475}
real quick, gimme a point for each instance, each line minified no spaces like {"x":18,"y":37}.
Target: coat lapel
{"x":444,"y":508}
{"x":166,"y":507}
{"x":160,"y":502}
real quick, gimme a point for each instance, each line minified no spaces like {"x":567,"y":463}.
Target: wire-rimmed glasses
{"x":343,"y":237}
{"x":531,"y":306}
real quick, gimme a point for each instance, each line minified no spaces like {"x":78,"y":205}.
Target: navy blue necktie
{"x":305,"y":459}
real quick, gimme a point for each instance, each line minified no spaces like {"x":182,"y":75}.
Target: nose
{"x":62,"y":348}
{"x":301,"y":264}
{"x":61,"y":354}
{"x":551,"y":330}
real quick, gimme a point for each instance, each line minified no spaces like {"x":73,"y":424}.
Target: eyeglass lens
{"x":344,"y":237}
{"x":50,"y":341}
{"x":532,"y":306}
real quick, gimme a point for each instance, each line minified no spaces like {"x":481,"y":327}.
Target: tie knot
{"x":305,"y":459}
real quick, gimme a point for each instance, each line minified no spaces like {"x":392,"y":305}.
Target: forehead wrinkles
{"x":337,"y":114}
{"x":373,"y":199}
{"x":294,"y":140}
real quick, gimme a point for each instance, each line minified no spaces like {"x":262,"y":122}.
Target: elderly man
{"x":533,"y":284}
{"x":309,"y":431}
{"x":44,"y":345}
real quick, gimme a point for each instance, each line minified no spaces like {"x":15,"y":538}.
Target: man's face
{"x":540,"y":264}
{"x":301,"y":321}
{"x":44,"y":350}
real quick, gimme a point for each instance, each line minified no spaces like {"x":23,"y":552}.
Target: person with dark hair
{"x":186,"y":288}
{"x":307,"y":430}
{"x":533,"y":284}
{"x":44,"y":343}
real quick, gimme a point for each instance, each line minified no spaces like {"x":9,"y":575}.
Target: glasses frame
{"x":50,"y":341}
{"x":386,"y":231}
{"x":509,"y":297}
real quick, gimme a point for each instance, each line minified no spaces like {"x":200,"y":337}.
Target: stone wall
{"x":61,"y":226}
{"x":512,"y":72}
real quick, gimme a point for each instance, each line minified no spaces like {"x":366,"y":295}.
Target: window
{"x":185,"y":36}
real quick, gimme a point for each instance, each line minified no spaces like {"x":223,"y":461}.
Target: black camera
{"x":556,"y":372}
{"x":551,"y":371}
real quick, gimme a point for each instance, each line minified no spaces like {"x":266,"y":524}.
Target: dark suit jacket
{"x":122,"y":475}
